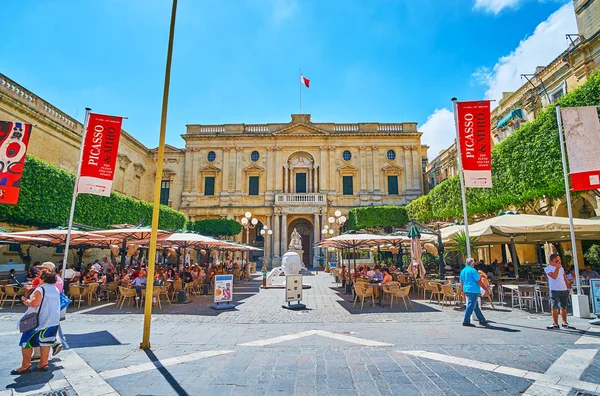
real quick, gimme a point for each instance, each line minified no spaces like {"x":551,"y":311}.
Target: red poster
{"x":475,"y":142}
{"x":14,"y":137}
{"x":99,"y":154}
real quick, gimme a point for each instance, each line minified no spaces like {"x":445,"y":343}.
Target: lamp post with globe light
{"x":249,"y":223}
{"x":265,"y":232}
{"x":335,"y":224}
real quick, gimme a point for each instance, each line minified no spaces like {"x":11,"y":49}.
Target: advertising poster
{"x":223,"y":288}
{"x":475,"y":143}
{"x":100,"y":152}
{"x":14,"y":137}
{"x":595,"y":295}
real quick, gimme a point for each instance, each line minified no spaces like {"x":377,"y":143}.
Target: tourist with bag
{"x":39,"y":326}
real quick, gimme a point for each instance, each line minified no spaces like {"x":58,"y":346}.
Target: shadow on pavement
{"x":166,"y":374}
{"x":32,"y":381}
{"x":95,"y":339}
{"x":348,"y":300}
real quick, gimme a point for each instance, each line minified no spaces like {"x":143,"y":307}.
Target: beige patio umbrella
{"x":416,"y":266}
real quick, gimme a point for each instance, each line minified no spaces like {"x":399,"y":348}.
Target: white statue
{"x":295,"y":241}
{"x":291,"y":263}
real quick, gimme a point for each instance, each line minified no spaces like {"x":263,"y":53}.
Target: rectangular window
{"x":300,"y":182}
{"x":165,"y":186}
{"x":348,"y":185}
{"x":209,"y":185}
{"x":60,"y":250}
{"x":13,"y":247}
{"x":253,"y":185}
{"x":393,"y":185}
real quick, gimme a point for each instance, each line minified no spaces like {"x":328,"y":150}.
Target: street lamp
{"x":335,"y":224}
{"x":249,"y":223}
{"x":264,"y":232}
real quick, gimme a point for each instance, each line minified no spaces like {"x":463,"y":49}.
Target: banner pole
{"x":462,"y":180}
{"x":568,"y":195}
{"x":157,"y":182}
{"x":70,"y":224}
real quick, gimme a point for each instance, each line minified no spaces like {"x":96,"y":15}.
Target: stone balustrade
{"x":256,"y":128}
{"x":212,"y":129}
{"x":346,"y":128}
{"x":389,"y":128}
{"x":301,"y":199}
{"x":20,"y":94}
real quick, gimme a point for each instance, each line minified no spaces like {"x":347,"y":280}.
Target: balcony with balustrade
{"x":301,"y":199}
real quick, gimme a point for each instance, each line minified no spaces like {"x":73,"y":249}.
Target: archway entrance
{"x":305,"y":229}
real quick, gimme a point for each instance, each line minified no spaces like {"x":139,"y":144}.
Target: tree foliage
{"x":526,"y":167}
{"x":215,"y":227}
{"x":45,"y":201}
{"x":593,"y":255}
{"x":377,"y":216}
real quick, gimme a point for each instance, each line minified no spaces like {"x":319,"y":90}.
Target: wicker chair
{"x":15,"y":292}
{"x":404,"y":293}
{"x":164,"y":291}
{"x":435,"y":291}
{"x":450,"y":294}
{"x":111,"y":288}
{"x":78,"y":293}
{"x":177,"y":286}
{"x":391,"y":289}
{"x":127,"y":294}
{"x":363,"y":291}
{"x":156,"y":292}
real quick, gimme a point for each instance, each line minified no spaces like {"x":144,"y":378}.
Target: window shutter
{"x":253,"y":185}
{"x":348,"y":187}
{"x":393,"y":185}
{"x":209,"y":185}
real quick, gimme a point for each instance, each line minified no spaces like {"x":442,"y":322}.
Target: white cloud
{"x":544,"y":45}
{"x":495,"y":6}
{"x":439,"y":131}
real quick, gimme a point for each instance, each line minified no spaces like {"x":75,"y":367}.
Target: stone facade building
{"x":288,"y":175}
{"x":295,"y":175}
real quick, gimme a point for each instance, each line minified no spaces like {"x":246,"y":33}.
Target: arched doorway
{"x":305,"y":229}
{"x":300,"y":174}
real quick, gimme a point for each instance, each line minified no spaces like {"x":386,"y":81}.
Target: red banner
{"x":99,"y":154}
{"x":14,"y":137}
{"x":475,"y":142}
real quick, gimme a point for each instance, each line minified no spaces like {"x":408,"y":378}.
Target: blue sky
{"x":238,"y":61}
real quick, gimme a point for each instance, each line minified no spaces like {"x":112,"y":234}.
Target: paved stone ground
{"x":329,"y":349}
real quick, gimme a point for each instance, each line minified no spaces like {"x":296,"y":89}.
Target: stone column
{"x":186,"y":174}
{"x":323,"y":179}
{"x":239,"y":166}
{"x":309,"y":180}
{"x":402,"y":164}
{"x":316,"y":235}
{"x":225,"y":171}
{"x":416,"y":168}
{"x":332,"y":175}
{"x":232,"y":162}
{"x":284,"y":236}
{"x":285,"y":173}
{"x":408,"y":173}
{"x":376,"y":170}
{"x":276,"y":235}
{"x":277,"y":179}
{"x":194,"y":172}
{"x":369,"y":169}
{"x":363,"y":169}
{"x":271,"y":169}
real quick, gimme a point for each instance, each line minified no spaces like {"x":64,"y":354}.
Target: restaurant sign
{"x":475,"y":142}
{"x":595,"y":295}
{"x":223,"y":288}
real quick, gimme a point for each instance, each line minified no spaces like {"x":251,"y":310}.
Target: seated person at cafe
{"x":187,"y":276}
{"x":13,"y":277}
{"x":387,"y":277}
{"x":370,"y":273}
{"x":392,"y":267}
{"x":571,"y":276}
{"x":91,"y":276}
{"x":96,"y":266}
{"x":71,"y":274}
{"x":589,"y":273}
{"x":510,"y":269}
{"x":139,"y":283}
{"x":377,"y":276}
{"x":30,"y":275}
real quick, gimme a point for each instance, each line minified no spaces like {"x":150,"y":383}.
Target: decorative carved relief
{"x":139,"y":169}
{"x":301,"y":160}
{"x":124,"y":161}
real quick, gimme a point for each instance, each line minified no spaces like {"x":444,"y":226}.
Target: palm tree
{"x":461,"y":244}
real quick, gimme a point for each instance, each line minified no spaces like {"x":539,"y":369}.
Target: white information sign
{"x":293,"y":286}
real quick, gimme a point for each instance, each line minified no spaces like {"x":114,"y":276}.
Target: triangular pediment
{"x":392,"y":168}
{"x":301,"y":130}
{"x":210,"y":168}
{"x":347,"y":168}
{"x":254,"y":168}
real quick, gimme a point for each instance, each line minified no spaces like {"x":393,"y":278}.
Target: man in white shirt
{"x":106,"y":264}
{"x":97,"y":267}
{"x":370,"y":273}
{"x":559,"y":292}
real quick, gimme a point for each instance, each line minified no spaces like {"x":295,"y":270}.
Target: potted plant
{"x":320,"y":266}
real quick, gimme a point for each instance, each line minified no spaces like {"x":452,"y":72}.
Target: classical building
{"x":443,"y":166}
{"x":295,"y":175}
{"x":288,"y":175}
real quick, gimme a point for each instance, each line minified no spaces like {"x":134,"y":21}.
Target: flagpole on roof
{"x":300,"y":91}
{"x":157,"y":182}
{"x":71,"y":213}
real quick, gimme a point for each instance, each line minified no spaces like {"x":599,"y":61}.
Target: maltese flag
{"x":304,"y":81}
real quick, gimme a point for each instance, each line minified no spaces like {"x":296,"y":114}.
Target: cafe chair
{"x":363,"y":291}
{"x":435,"y":291}
{"x":529,"y":294}
{"x":543,"y":293}
{"x":450,"y":294}
{"x":127,"y":294}
{"x":164,"y":292}
{"x":390,"y":289}
{"x":77,"y":294}
{"x":13,"y":291}
{"x":111,"y":288}
{"x":156,"y":291}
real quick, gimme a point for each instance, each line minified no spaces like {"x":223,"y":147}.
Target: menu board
{"x":223,"y":288}
{"x":595,"y":295}
{"x":293,"y":286}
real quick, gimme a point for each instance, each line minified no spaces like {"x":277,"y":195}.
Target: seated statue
{"x":295,"y":241}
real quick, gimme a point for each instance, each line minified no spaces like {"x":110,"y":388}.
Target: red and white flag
{"x":304,"y":81}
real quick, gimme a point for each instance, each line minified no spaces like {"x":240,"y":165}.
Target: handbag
{"x":64,"y":301}
{"x":30,"y":321}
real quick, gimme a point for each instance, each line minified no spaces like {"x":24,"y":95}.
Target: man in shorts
{"x":559,"y":292}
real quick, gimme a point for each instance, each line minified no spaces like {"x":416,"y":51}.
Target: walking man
{"x":471,"y":285}
{"x":559,"y":292}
